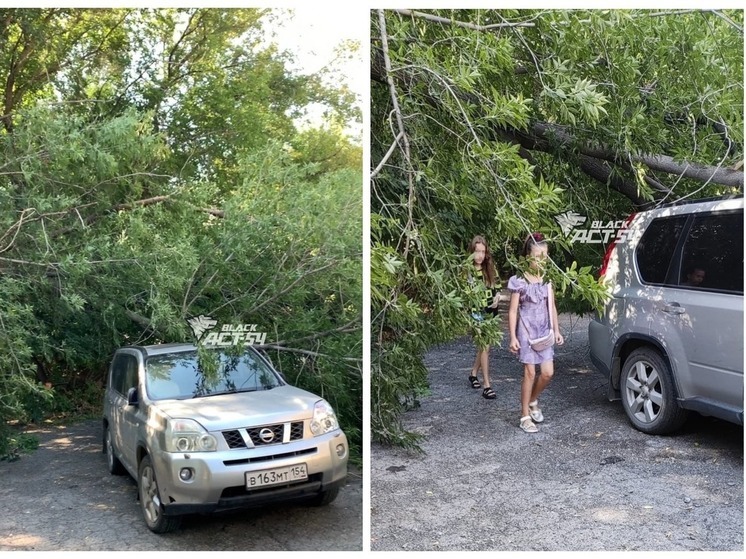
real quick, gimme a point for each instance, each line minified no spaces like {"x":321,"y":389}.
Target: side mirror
{"x":132,"y":398}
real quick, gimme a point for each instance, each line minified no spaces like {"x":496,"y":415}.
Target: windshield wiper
{"x":233,"y":391}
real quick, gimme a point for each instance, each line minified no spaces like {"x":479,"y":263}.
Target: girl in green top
{"x":484,"y":271}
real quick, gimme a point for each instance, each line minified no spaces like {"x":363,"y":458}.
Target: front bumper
{"x":219,"y":480}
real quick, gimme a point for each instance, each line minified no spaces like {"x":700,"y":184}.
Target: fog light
{"x":186,"y":474}
{"x":341,"y":450}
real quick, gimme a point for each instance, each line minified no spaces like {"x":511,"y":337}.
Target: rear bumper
{"x":601,"y":346}
{"x":600,"y":365}
{"x":602,"y":355}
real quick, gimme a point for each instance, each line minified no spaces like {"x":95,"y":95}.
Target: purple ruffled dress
{"x":533,"y":314}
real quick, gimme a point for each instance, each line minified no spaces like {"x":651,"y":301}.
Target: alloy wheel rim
{"x":149,"y":495}
{"x":644,"y":392}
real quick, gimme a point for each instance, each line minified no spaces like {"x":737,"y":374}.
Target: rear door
{"x":645,"y":295}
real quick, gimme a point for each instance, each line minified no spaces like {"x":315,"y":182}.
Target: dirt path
{"x":587,"y":481}
{"x":62,"y":497}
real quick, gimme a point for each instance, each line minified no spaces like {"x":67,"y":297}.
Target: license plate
{"x":276,"y":476}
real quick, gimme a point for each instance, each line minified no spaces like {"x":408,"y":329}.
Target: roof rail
{"x":698,"y":200}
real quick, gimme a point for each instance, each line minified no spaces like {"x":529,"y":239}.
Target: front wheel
{"x":150,"y":500}
{"x":325,"y":497}
{"x":648,"y":393}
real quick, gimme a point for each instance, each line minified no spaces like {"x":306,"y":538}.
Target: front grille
{"x":296,"y":431}
{"x":235,"y":439}
{"x":277,"y":431}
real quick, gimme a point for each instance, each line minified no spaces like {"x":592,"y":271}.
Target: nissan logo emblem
{"x":267,"y":435}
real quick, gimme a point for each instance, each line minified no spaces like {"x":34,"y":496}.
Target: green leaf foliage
{"x":498,"y":123}
{"x":168,"y":180}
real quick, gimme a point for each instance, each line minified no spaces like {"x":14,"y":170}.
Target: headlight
{"x":186,"y":435}
{"x":324,"y":419}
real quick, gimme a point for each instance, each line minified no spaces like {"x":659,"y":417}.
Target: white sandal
{"x":527,"y":425}
{"x":535,"y":411}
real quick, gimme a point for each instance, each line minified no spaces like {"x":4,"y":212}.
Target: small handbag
{"x":543,"y":342}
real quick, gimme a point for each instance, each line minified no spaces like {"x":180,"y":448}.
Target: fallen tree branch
{"x":288,"y":287}
{"x":474,"y":26}
{"x":126,"y":206}
{"x":390,"y":151}
{"x":139,"y":319}
{"x":352,"y":326}
{"x":558,"y":139}
{"x":400,"y":124}
{"x":307,"y":352}
{"x":553,"y":137}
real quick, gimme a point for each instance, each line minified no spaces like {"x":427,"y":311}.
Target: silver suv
{"x":212,"y":430}
{"x":670,"y":339}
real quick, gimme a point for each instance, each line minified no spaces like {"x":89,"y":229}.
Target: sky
{"x":312,"y":34}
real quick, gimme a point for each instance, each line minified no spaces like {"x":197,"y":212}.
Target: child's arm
{"x":558,"y":339}
{"x":513,"y":320}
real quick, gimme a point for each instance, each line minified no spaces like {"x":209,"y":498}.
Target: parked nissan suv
{"x":670,"y":339}
{"x":211,"y":430}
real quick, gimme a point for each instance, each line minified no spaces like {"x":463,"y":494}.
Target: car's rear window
{"x":657,"y":246}
{"x":185,"y":375}
{"x":712,"y":257}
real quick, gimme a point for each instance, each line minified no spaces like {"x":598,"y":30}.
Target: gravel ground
{"x":62,"y":497}
{"x":587,"y":481}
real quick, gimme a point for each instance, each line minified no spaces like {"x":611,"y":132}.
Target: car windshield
{"x":191,"y":375}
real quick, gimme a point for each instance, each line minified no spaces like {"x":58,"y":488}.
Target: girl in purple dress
{"x":528,"y":318}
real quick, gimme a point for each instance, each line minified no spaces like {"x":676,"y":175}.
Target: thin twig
{"x":307,"y":352}
{"x":727,"y":20}
{"x":474,"y":26}
{"x":400,"y":123}
{"x":352,"y":326}
{"x":380,"y":165}
{"x":287,"y":288}
{"x":18,"y":224}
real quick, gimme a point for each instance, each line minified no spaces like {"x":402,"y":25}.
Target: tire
{"x":115,"y":466}
{"x":150,"y":500}
{"x":325,"y":497}
{"x":648,"y":393}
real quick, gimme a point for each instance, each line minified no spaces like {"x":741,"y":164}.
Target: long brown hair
{"x":488,"y":266}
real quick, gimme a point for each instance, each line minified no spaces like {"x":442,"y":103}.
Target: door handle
{"x":673,"y":308}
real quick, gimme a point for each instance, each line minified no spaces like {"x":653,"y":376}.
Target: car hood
{"x":244,"y":409}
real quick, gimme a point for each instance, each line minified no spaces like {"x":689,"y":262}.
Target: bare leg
{"x":484,"y":357}
{"x":529,"y":375}
{"x":477,"y":364}
{"x":547,"y":372}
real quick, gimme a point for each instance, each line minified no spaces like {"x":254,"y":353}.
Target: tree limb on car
{"x":596,"y":162}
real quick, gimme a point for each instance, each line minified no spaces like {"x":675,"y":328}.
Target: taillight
{"x":612,"y":246}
